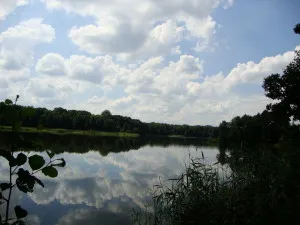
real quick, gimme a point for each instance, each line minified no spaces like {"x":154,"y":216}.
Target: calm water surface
{"x":102,"y":186}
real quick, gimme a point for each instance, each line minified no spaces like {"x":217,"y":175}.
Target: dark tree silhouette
{"x":106,"y":113}
{"x":285,"y":89}
{"x":297,"y":28}
{"x":272,"y":124}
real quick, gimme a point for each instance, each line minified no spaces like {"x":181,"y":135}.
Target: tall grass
{"x":252,"y":192}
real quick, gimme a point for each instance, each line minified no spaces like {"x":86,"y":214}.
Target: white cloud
{"x":229,"y":4}
{"x":143,"y":11}
{"x":123,"y":103}
{"x":40,"y":89}
{"x":180,"y":92}
{"x":126,"y":43}
{"x":108,"y":37}
{"x":252,"y":72}
{"x":201,"y":28}
{"x":17,"y":43}
{"x":177,"y":92}
{"x":8,"y":6}
{"x":148,"y":29}
{"x":30,"y":31}
{"x":50,"y":91}
{"x":51,"y":64}
{"x":91,"y":69}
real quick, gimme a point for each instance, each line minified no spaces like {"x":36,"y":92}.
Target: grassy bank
{"x":59,"y":131}
{"x":73,"y":132}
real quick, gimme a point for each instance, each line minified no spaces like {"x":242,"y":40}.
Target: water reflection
{"x":98,"y":188}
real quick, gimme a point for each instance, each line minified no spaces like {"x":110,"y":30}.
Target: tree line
{"x":83,"y":120}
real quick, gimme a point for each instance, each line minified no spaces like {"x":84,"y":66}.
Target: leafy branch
{"x":19,"y":177}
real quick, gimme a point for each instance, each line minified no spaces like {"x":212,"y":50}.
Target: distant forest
{"x":83,"y":120}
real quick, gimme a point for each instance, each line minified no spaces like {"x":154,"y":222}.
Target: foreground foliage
{"x":18,"y":162}
{"x":258,"y":189}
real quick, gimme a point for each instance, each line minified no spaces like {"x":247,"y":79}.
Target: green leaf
{"x":4,"y":186}
{"x":50,"y":171}
{"x":8,"y":102}
{"x":21,"y":159}
{"x":12,"y":162}
{"x":38,"y":181}
{"x":25,"y":182}
{"x":7,"y":155}
{"x":36,"y":162}
{"x":20,"y":213}
{"x":22,"y":186}
{"x":50,"y":154}
{"x":61,"y":164}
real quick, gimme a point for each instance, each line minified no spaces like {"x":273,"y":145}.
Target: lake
{"x":105,"y":178}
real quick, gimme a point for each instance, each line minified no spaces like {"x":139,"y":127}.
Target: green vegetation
{"x":258,"y":188}
{"x":257,"y":181}
{"x":72,"y":132}
{"x":19,"y":176}
{"x":61,"y":120}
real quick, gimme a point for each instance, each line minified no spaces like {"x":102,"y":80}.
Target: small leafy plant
{"x":19,"y":176}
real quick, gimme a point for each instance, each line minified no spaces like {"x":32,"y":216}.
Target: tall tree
{"x":285,"y":89}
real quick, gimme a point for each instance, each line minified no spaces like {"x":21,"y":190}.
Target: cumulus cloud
{"x":50,"y":91}
{"x":108,"y":37}
{"x":81,"y":67}
{"x":51,"y":64}
{"x":181,"y":92}
{"x":17,"y":46}
{"x":252,"y":72}
{"x":91,"y":69}
{"x":8,"y":6}
{"x":150,"y":28}
{"x":17,"y":43}
{"x":143,"y":10}
{"x":128,"y":42}
{"x":163,"y":39}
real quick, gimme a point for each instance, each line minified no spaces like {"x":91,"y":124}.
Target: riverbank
{"x":92,"y":133}
{"x":72,"y":132}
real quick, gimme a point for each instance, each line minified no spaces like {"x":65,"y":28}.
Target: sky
{"x":194,"y":62}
